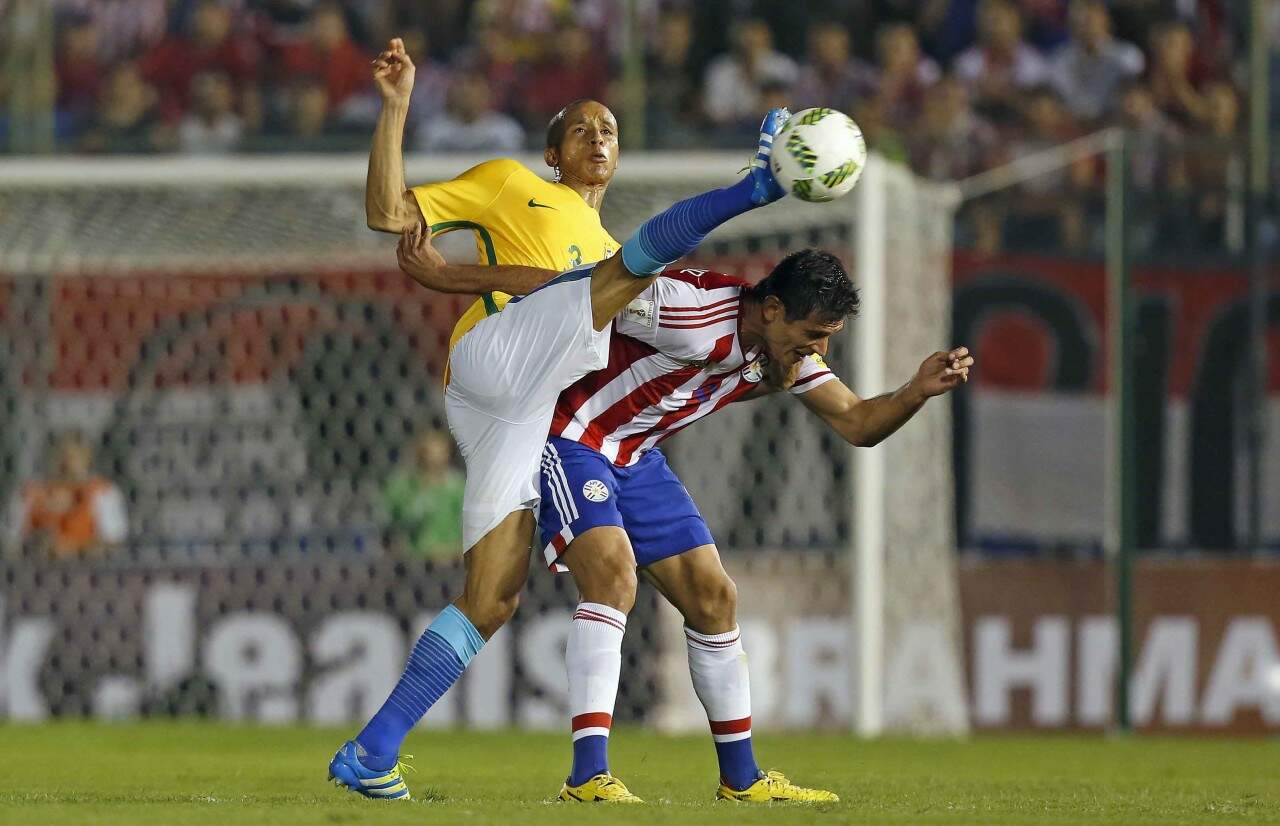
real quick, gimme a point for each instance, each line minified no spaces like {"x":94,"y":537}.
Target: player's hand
{"x":941,"y":372}
{"x":415,"y":254}
{"x":393,"y":72}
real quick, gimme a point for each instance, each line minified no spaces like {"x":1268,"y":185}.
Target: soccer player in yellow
{"x":516,"y":217}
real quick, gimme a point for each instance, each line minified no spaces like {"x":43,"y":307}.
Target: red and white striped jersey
{"x":674,"y":358}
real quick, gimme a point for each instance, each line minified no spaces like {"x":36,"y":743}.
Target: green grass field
{"x":193,"y":774}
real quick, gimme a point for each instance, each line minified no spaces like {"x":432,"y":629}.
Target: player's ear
{"x":552,"y":157}
{"x":771,"y":309}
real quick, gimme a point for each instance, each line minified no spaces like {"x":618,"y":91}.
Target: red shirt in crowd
{"x":171,"y":65}
{"x":553,"y":84}
{"x":344,"y":68}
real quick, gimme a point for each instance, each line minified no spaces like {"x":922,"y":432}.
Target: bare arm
{"x":423,"y":263}
{"x":388,"y":205}
{"x":867,"y":422}
{"x":612,"y":288}
{"x":612,"y":285}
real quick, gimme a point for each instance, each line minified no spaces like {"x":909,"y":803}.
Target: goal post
{"x":252,"y":367}
{"x":905,"y":586}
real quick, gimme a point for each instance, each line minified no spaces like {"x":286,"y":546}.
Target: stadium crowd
{"x":950,"y":86}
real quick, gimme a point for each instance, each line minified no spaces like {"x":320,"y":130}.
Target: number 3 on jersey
{"x":575,"y":256}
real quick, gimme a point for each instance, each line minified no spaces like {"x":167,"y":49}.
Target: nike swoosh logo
{"x":533,"y":203}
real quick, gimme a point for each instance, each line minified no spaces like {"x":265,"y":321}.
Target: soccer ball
{"x":819,"y":154}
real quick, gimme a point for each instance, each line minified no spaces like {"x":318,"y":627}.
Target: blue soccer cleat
{"x":767,"y":190}
{"x":346,"y":770}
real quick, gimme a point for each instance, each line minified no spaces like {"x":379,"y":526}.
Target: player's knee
{"x":488,"y":613}
{"x":617,"y":582}
{"x":715,"y":606}
{"x":607,"y":575}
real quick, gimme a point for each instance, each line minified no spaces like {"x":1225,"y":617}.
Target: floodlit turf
{"x":193,"y":774}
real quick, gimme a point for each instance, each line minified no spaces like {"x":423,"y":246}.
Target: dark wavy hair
{"x":810,"y":281}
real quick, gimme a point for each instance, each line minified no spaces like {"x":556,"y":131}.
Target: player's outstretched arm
{"x":422,"y":262}
{"x":388,"y":205}
{"x":867,"y":422}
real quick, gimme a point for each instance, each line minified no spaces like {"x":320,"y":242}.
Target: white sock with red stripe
{"x":594,"y":660}
{"x":718,"y":666}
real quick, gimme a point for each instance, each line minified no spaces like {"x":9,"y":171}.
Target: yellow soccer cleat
{"x":603,"y":788}
{"x":773,"y":786}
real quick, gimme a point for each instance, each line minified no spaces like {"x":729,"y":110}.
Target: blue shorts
{"x":582,"y":490}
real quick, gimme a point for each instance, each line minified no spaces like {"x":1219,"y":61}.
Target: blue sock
{"x":590,"y":757}
{"x":738,"y":768}
{"x":674,"y":233}
{"x":437,"y":661}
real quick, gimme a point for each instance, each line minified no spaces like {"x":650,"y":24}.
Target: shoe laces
{"x":611,"y":782}
{"x":777,"y":778}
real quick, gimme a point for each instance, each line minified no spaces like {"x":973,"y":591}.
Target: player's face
{"x":588,"y":151}
{"x":788,"y":341}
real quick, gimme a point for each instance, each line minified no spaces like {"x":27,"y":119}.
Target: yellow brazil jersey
{"x":517,"y":218}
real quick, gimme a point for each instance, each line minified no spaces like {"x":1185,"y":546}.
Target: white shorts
{"x":506,"y":374}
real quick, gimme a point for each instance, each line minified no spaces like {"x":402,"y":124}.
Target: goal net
{"x":251,"y":374}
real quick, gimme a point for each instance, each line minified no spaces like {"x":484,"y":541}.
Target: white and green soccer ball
{"x":819,"y":154}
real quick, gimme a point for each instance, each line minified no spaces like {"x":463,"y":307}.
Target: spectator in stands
{"x":1154,"y":140}
{"x":951,"y":141}
{"x":1170,"y":78}
{"x":531,"y":26}
{"x":127,"y":118}
{"x":491,"y":55}
{"x":431,"y":79}
{"x":832,"y":76}
{"x":872,"y":115}
{"x":79,"y":72}
{"x":328,"y":52}
{"x":210,"y":45}
{"x":1046,"y":214}
{"x":572,"y":70}
{"x":212,"y":125}
{"x":732,"y":92}
{"x":285,"y":18}
{"x":1001,"y":66}
{"x":904,"y":74}
{"x":308,"y":107}
{"x":1162,"y":205}
{"x":1090,"y":69}
{"x":73,"y":512}
{"x":124,"y":28}
{"x":470,"y":124}
{"x":446,"y":24}
{"x":1214,"y":169}
{"x":673,"y":107}
{"x":424,"y":500}
{"x":307,"y":117}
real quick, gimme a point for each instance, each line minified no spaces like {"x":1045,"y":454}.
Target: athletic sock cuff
{"x":594,"y":611}
{"x":712,"y":642}
{"x":637,"y":260}
{"x":454,"y":628}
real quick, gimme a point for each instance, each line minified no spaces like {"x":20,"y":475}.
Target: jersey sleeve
{"x":814,"y":372}
{"x":466,"y":197}
{"x":639,"y":319}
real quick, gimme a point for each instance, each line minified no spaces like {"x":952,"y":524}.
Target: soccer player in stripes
{"x":689,"y":344}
